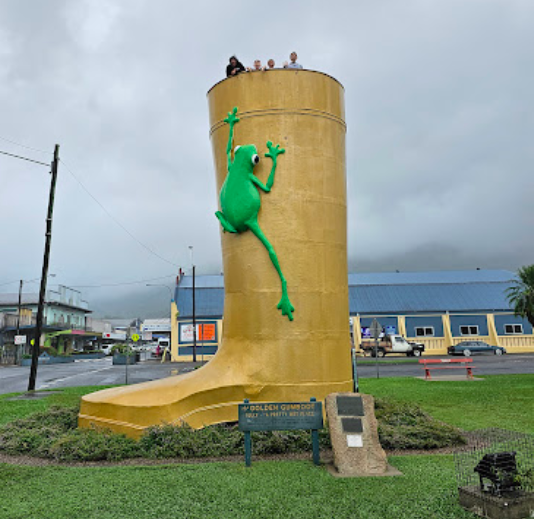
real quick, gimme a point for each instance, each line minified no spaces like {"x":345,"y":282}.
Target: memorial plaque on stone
{"x":354,"y":436}
{"x":351,"y":425}
{"x":349,"y":406}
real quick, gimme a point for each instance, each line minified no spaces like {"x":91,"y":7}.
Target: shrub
{"x":407,"y":426}
{"x":30,"y":435}
{"x":54,"y":434}
{"x":90,"y":445}
{"x":169,"y":441}
{"x":121,"y":348}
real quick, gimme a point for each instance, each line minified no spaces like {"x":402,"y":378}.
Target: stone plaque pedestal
{"x":354,"y":436}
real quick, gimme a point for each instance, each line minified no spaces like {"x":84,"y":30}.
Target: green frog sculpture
{"x":241,"y":201}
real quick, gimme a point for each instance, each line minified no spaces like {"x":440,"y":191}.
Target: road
{"x":87,"y":373}
{"x":102,"y":372}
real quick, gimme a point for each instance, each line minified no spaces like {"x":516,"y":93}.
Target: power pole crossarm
{"x":44,"y":273}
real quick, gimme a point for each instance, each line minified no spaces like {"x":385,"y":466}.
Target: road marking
{"x":52,"y":382}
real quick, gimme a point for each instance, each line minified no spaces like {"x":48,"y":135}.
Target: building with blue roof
{"x":438,"y":308}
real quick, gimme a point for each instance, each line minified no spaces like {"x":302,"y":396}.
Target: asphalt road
{"x":102,"y":372}
{"x":482,"y":365}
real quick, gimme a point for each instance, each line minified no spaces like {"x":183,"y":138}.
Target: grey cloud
{"x":439,"y":102}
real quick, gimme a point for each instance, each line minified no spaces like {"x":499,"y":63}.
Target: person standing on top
{"x":270,"y":64}
{"x":293,"y":63}
{"x":234,"y":67}
{"x":257,"y":66}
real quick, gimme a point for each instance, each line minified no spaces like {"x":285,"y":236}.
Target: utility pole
{"x":18,"y":348}
{"x":44,"y":273}
{"x":194,"y":321}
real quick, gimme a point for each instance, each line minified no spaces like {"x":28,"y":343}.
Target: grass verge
{"x":497,"y":401}
{"x":14,"y":409}
{"x":225,"y":490}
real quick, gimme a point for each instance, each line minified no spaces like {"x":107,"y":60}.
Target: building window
{"x":424,"y":331}
{"x":513,"y":329}
{"x":469,"y":330}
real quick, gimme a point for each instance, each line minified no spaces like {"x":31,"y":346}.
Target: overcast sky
{"x":439,"y":97}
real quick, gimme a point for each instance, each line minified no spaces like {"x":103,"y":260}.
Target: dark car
{"x":469,"y":347}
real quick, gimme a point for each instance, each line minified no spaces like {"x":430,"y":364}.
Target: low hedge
{"x":403,"y":426}
{"x":54,"y":434}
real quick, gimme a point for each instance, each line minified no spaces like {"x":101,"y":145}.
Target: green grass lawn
{"x":229,"y":490}
{"x":12,"y":409}
{"x":269,"y":489}
{"x":505,"y":401}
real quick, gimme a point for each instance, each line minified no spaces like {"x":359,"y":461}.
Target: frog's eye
{"x":255,"y":159}
{"x":236,"y":148}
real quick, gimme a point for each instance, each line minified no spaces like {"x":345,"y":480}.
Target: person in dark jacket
{"x":234,"y":67}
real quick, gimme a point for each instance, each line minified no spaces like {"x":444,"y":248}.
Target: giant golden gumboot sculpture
{"x":264,"y":356}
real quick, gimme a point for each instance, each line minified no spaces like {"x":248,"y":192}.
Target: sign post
{"x":281,"y":416}
{"x":135,"y":338}
{"x":20,"y":341}
{"x":376,"y":330}
{"x":355,"y":382}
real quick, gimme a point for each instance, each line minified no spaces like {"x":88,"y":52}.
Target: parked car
{"x":106,"y":348}
{"x":467,"y":348}
{"x":392,"y":344}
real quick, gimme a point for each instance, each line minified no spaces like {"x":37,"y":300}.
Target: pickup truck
{"x":392,"y":344}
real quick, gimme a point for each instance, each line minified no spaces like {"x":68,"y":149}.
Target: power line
{"x":122,"y":284}
{"x":18,"y":281}
{"x":24,"y":145}
{"x":103,"y":285}
{"x":146,"y":247}
{"x":24,"y":158}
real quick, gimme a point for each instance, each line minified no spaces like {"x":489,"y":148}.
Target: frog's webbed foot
{"x":226,"y":225}
{"x":286,"y":307}
{"x":232,"y":117}
{"x":274,"y":151}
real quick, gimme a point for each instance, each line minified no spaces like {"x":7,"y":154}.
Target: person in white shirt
{"x":293,"y":63}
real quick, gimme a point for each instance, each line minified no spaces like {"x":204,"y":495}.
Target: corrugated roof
{"x":435,"y":277}
{"x":389,"y":292}
{"x":454,"y":297}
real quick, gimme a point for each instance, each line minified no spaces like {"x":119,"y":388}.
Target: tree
{"x":521,"y":294}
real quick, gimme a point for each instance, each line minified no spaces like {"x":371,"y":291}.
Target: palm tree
{"x":521,"y":294}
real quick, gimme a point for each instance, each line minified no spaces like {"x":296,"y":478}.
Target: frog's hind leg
{"x":285,"y":304}
{"x":226,"y":225}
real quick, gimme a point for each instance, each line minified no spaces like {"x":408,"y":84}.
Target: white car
{"x":106,"y":348}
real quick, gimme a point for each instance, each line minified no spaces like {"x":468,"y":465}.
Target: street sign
{"x":376,"y":329}
{"x":20,"y":340}
{"x":135,"y":337}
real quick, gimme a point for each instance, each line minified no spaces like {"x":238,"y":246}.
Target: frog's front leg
{"x":274,"y":151}
{"x":232,"y":119}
